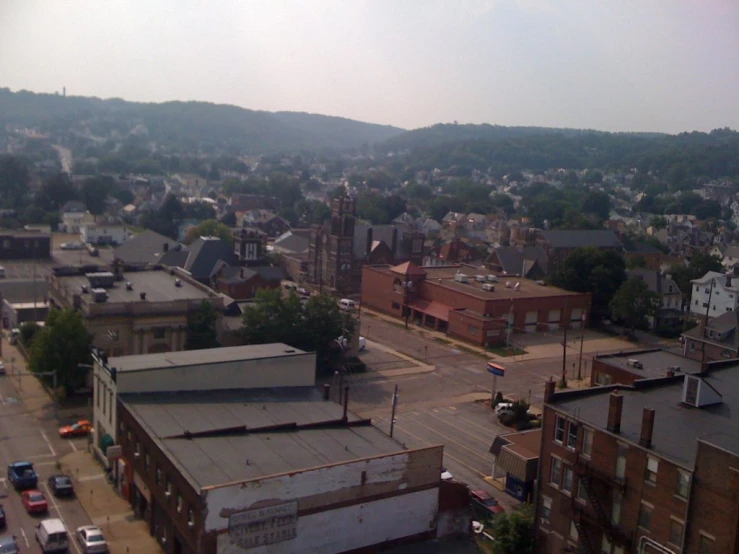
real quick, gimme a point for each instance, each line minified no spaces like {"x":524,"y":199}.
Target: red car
{"x":34,"y":502}
{"x":79,"y":428}
{"x":485,"y":503}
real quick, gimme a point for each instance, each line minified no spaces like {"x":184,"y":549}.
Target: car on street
{"x":22,"y":475}
{"x":74,"y":245}
{"x":34,"y":502}
{"x":485,"y":504}
{"x":446,"y":475}
{"x":3,"y":521}
{"x":79,"y":428}
{"x":8,"y":545}
{"x":60,"y":485}
{"x":91,"y":539}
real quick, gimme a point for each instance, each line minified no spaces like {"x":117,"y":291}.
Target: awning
{"x":105,"y":442}
{"x":434,"y":309}
{"x":514,"y":464}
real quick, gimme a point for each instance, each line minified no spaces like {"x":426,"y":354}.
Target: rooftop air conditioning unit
{"x":491,"y":279}
{"x":177,"y":283}
{"x":517,"y":286}
{"x":129,"y":285}
{"x":480,"y":278}
{"x":508,"y":284}
{"x":461,"y":278}
{"x":99,"y":295}
{"x":488,"y":287}
{"x":698,"y":393}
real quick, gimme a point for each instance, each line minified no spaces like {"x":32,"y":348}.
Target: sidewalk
{"x":414,"y":367}
{"x":124,"y":532}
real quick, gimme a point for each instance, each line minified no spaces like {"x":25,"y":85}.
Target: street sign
{"x":496,"y":369}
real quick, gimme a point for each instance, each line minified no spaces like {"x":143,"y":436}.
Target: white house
{"x":104,"y":233}
{"x":73,"y":215}
{"x":722,"y":290}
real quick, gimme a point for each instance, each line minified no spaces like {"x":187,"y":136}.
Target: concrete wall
{"x":341,"y":506}
{"x":296,"y":371}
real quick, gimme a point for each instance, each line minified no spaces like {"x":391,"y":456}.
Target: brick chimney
{"x":368,"y":246}
{"x":549,"y":390}
{"x":394,"y":245}
{"x":615,"y":407}
{"x":647,"y":428}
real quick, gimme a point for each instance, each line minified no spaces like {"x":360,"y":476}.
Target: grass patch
{"x":506,"y":351}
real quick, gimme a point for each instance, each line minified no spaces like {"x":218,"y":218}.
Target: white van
{"x":346,"y":304}
{"x":52,"y":536}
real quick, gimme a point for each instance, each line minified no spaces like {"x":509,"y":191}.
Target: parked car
{"x":22,"y":475}
{"x":34,"y":502}
{"x":74,"y":245}
{"x":79,"y":428}
{"x":8,"y":545}
{"x":3,"y":521}
{"x":485,"y":504}
{"x":446,"y":475}
{"x":91,"y":539}
{"x":60,"y":485}
{"x":52,"y":536}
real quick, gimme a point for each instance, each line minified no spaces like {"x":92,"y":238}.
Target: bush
{"x":498,"y":398}
{"x":355,"y":365}
{"x":28,"y":331}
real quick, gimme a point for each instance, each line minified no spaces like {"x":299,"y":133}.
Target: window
{"x":147,"y":461}
{"x":559,"y":430}
{"x":621,"y":461}
{"x":158,"y":477}
{"x":168,"y":488}
{"x":587,"y":442}
{"x":605,"y":545}
{"x":645,"y":516}
{"x":114,"y":335}
{"x":473,"y":329}
{"x":568,"y":479}
{"x":546,"y":509}
{"x":676,"y":532}
{"x":683,"y":483}
{"x":129,"y":436}
{"x":582,"y":493}
{"x":650,"y":475}
{"x":97,"y":392}
{"x":396,"y":306}
{"x":602,"y":378}
{"x":696,"y":302}
{"x":572,"y":435}
{"x":555,"y":474}
{"x":138,"y":449}
{"x":574,"y":535}
{"x":692,"y":346}
{"x":191,"y":518}
{"x":179,"y":503}
{"x":705,"y":545}
{"x":616,"y":508}
{"x":158,"y":332}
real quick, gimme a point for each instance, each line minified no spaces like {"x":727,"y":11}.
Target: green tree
{"x":636,"y":261}
{"x":14,"y":179}
{"x":325,"y":323}
{"x":209,"y":228}
{"x":699,"y":265}
{"x":598,"y":203}
{"x":201,"y":327}
{"x":599,"y":272}
{"x":94,"y":193}
{"x":55,"y":191}
{"x":503,"y":202}
{"x":634,"y":302}
{"x":61,"y":346}
{"x":514,"y":531}
{"x":229,"y":219}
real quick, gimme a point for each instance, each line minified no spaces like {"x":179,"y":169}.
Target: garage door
{"x":554,"y":317}
{"x":576,"y":318}
{"x":531,"y":319}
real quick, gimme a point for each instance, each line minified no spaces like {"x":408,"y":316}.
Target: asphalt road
{"x":25,"y":437}
{"x":449,"y":405}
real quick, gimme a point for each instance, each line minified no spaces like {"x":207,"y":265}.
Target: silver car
{"x":8,"y":545}
{"x":91,"y":539}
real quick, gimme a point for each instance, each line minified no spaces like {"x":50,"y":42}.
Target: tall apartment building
{"x":715,"y":294}
{"x":649,"y":468}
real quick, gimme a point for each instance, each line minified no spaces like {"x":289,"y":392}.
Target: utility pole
{"x":564,"y":347}
{"x":703,"y":327}
{"x":392,"y":416}
{"x":582,"y":339}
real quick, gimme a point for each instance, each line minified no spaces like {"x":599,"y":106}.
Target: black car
{"x":60,"y":485}
{"x":2,"y":516}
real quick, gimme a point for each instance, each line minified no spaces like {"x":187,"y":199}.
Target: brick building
{"x":468,"y":302}
{"x":233,"y":449}
{"x":628,"y":367}
{"x":24,"y":245}
{"x":340,"y":247}
{"x":714,"y":339}
{"x":652,"y":467}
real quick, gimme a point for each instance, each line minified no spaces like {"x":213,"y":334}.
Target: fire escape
{"x":598,"y":485}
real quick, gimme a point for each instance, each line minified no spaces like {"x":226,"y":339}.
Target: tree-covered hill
{"x":187,"y":126}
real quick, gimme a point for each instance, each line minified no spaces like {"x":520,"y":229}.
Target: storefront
{"x":516,"y":462}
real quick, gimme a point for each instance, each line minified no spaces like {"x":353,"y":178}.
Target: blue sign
{"x":496,"y":369}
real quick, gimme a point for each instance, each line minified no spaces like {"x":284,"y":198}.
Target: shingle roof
{"x":23,"y":291}
{"x":205,"y":254}
{"x":601,"y":238}
{"x":145,"y":248}
{"x":291,"y":242}
{"x":655,"y":280}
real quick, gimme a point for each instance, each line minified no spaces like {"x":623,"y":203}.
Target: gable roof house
{"x":671,"y":299}
{"x":146,"y":248}
{"x":714,"y":339}
{"x":531,"y":260}
{"x":266,"y":221}
{"x":204,"y":258}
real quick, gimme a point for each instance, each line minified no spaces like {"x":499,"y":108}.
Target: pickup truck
{"x":22,"y":475}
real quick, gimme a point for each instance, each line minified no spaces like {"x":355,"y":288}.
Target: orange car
{"x":77,"y":429}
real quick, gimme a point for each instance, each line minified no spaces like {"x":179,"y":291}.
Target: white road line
{"x":73,"y":446}
{"x":48,"y":443}
{"x":59,"y":512}
{"x":25,"y":538}
{"x":2,"y":399}
{"x":39,"y":456}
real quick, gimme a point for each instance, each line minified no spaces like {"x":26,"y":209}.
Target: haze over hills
{"x":191,"y":126}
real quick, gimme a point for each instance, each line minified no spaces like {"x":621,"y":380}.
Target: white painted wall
{"x":353,"y":526}
{"x":293,"y":371}
{"x":116,"y":234}
{"x":723,"y":299}
{"x":105,"y":414}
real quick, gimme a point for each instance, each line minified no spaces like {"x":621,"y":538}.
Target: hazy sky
{"x":654,"y":65}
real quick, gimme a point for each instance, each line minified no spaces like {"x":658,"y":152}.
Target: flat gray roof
{"x":158,"y":285}
{"x":242,"y":456}
{"x":655,"y":363}
{"x":142,"y":362}
{"x":677,"y":427}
